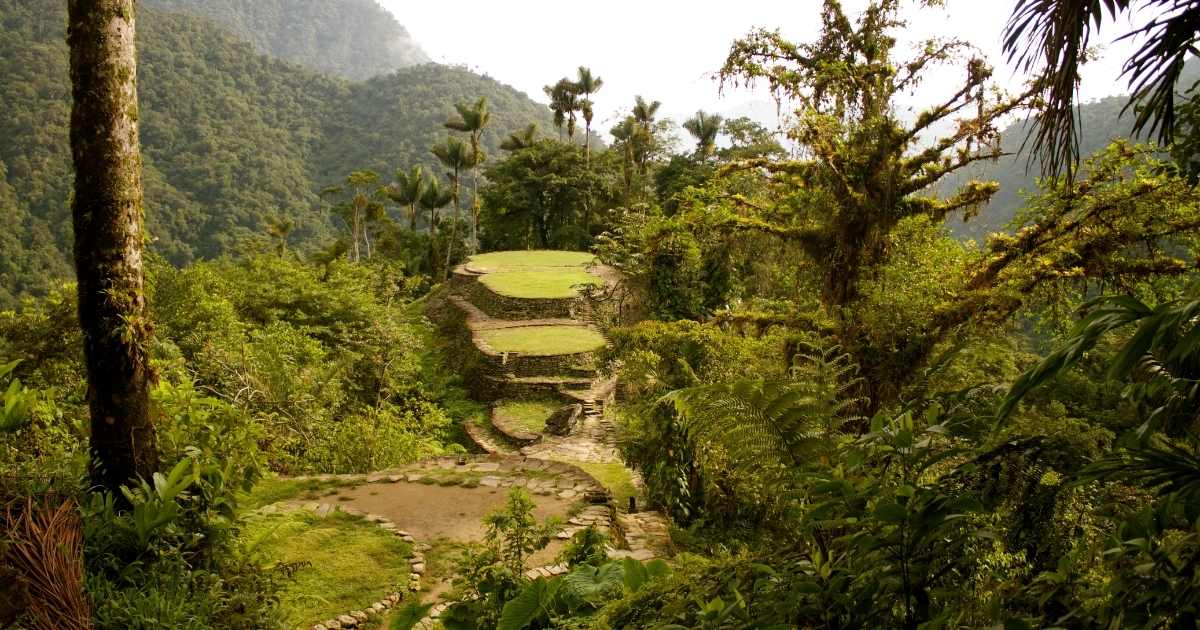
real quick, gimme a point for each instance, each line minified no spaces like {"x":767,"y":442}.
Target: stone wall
{"x":514,"y":309}
{"x":580,"y":364}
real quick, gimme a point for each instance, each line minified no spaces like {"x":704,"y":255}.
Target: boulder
{"x":561,"y":422}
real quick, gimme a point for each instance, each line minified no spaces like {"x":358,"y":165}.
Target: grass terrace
{"x":543,"y":340}
{"x":527,"y":415}
{"x":337,"y":564}
{"x":517,"y":260}
{"x":544,"y":285}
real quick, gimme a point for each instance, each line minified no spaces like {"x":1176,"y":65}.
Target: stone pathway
{"x":593,"y":439}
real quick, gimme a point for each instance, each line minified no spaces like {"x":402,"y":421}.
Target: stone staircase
{"x":575,"y":380}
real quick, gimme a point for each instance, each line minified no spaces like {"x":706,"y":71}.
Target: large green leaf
{"x":409,"y":616}
{"x":636,"y":575}
{"x":15,"y":402}
{"x":527,"y":606}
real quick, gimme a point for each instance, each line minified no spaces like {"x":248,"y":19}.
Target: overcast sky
{"x":668,"y":49}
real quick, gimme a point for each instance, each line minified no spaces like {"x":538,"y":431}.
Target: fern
{"x":1173,"y":470}
{"x":790,"y":422}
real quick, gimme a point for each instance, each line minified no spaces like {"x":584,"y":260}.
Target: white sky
{"x":668,"y":49}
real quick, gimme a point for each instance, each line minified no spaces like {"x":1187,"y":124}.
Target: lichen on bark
{"x":107,"y":216}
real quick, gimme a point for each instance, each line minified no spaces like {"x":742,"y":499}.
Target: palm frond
{"x":1168,"y":334}
{"x":1050,"y":40}
{"x":1171,"y":470}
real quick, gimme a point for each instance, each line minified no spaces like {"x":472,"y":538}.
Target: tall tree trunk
{"x":587,"y":141}
{"x":475,"y":206}
{"x":412,"y":217}
{"x":453,"y":227}
{"x":367,"y":238}
{"x":107,"y":219}
{"x":433,"y":255}
{"x":355,"y":230}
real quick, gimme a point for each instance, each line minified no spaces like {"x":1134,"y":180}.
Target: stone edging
{"x":579,"y":481}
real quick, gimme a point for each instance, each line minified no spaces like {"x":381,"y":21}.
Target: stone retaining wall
{"x":580,"y":364}
{"x":511,"y":308}
{"x":492,"y":388}
{"x":516,"y":436}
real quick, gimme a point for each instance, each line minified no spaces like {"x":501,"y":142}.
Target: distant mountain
{"x":353,"y":39}
{"x":231,"y":138}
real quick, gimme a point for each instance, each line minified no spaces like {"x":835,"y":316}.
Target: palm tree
{"x":626,"y":133}
{"x":361,"y":208}
{"x":407,"y":191}
{"x":456,"y":156}
{"x":523,"y":139}
{"x":280,"y":230}
{"x":433,"y":198}
{"x":472,"y":119}
{"x":644,"y":114}
{"x":704,"y":127}
{"x":558,"y":107}
{"x":1051,"y":38}
{"x":564,"y":101}
{"x":587,"y":85}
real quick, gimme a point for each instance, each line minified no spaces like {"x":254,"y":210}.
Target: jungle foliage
{"x":852,"y":418}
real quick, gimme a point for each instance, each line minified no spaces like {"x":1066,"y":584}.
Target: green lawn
{"x":527,"y":415}
{"x":615,"y":478}
{"x":338,"y":564}
{"x":539,"y":284}
{"x":498,"y":261}
{"x":543,"y":340}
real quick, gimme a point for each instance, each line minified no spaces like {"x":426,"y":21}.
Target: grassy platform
{"x":545,"y":285}
{"x":516,"y":260}
{"x":527,"y":415}
{"x":615,"y":478}
{"x":543,"y":340}
{"x":338,"y":564}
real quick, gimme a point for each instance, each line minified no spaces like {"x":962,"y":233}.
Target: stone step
{"x":487,"y":439}
{"x":646,"y":535}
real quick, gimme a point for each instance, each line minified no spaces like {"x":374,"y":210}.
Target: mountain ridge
{"x":369,"y":42}
{"x":231,"y":138}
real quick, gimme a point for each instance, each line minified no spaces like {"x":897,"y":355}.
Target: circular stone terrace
{"x":525,"y":294}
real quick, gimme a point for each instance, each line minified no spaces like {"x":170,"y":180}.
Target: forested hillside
{"x":1099,"y":121}
{"x":231,"y":138}
{"x":355,"y":39}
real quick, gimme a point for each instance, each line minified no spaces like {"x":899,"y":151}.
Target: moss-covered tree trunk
{"x":108,"y":239}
